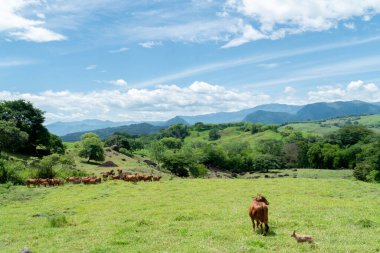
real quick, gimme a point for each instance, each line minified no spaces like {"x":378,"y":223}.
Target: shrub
{"x":362,"y":171}
{"x":57,"y":221}
{"x":199,"y":170}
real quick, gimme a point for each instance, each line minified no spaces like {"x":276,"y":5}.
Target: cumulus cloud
{"x":119,"y":82}
{"x":274,"y":19}
{"x":21,"y":28}
{"x":355,"y":90}
{"x":163,"y":102}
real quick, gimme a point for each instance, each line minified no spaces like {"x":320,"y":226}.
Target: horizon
{"x":151,"y":61}
{"x":181,"y":116}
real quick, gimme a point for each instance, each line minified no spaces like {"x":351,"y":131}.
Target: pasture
{"x":190,"y":215}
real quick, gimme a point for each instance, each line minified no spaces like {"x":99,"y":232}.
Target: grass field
{"x":190,"y":215}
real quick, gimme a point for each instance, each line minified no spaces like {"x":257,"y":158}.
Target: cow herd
{"x":44,"y":182}
{"x":128,"y":176}
{"x":121,"y":175}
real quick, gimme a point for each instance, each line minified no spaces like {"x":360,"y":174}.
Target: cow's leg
{"x":253,"y":225}
{"x":266,"y":228}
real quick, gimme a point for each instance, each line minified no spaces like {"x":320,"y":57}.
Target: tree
{"x":171,"y":143}
{"x":213,"y":134}
{"x":55,"y":145}
{"x":179,"y":131}
{"x":314,"y":155}
{"x":177,"y":163}
{"x":350,"y":135}
{"x":11,"y":138}
{"x":117,"y":139}
{"x":27,"y":119}
{"x":91,"y":147}
{"x":156,"y":151}
{"x":266,"y":162}
{"x":270,"y":146}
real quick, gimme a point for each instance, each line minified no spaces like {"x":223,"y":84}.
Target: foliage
{"x":28,"y":120}
{"x":10,"y":171}
{"x":11,"y":137}
{"x":117,"y":139}
{"x":266,"y":162}
{"x":55,"y":144}
{"x":213,"y":134}
{"x":91,"y":147}
{"x":156,"y":151}
{"x":179,"y":131}
{"x":270,"y":146}
{"x":199,"y":170}
{"x":171,"y":143}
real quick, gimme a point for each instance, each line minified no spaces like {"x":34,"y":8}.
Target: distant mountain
{"x":316,"y":111}
{"x":175,"y":120}
{"x":224,"y":117}
{"x":63,"y":128}
{"x":142,"y":128}
{"x":270,"y":117}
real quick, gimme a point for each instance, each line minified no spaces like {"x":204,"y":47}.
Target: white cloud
{"x":120,"y":50}
{"x":37,"y":34}
{"x":21,"y":28}
{"x":119,"y":82}
{"x":350,"y":25}
{"x":289,"y":90}
{"x":355,"y":90}
{"x":274,"y":19}
{"x":150,"y":44}
{"x":91,"y":67}
{"x":161,"y":103}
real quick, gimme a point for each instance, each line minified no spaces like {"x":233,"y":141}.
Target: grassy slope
{"x":372,"y":121}
{"x":233,"y":134}
{"x":192,"y":216}
{"x":124,"y":162}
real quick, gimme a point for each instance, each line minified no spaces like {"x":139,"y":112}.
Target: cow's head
{"x":261,"y":198}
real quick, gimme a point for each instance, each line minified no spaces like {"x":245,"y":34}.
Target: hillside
{"x":142,"y":128}
{"x":316,"y":111}
{"x":330,"y":125}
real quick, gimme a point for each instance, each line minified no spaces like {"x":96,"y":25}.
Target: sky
{"x":124,"y":60}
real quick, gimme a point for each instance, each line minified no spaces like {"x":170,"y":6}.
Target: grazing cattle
{"x":156,"y":178}
{"x":258,"y":211}
{"x":130,"y":178}
{"x":32,"y":181}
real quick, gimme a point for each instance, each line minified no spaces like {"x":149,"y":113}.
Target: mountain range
{"x":266,"y":114}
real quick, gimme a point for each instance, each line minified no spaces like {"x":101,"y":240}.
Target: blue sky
{"x":153,"y":60}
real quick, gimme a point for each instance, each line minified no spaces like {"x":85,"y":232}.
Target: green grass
{"x":192,"y":215}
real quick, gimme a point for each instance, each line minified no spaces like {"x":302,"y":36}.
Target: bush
{"x":126,"y":152}
{"x":362,"y":171}
{"x":57,"y":221}
{"x":11,"y":172}
{"x":199,"y":170}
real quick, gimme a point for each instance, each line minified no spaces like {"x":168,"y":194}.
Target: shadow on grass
{"x":90,"y":162}
{"x":271,"y":232}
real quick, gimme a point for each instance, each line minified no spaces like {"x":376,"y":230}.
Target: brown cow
{"x":32,"y":181}
{"x":156,"y":178}
{"x":258,"y":211}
